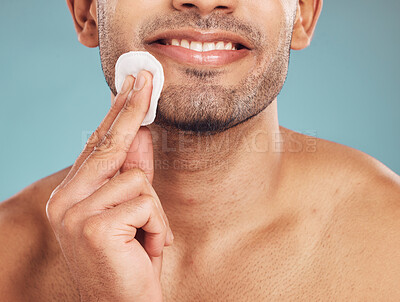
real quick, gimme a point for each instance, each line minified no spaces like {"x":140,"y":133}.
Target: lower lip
{"x":209,"y":58}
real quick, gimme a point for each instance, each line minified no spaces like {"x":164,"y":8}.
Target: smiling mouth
{"x":195,"y":48}
{"x":196,"y":53}
{"x":201,"y":46}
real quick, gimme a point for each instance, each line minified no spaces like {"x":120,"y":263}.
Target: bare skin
{"x":258,"y":212}
{"x":339,"y":241}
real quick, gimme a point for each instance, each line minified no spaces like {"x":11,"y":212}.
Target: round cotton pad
{"x":131,"y":63}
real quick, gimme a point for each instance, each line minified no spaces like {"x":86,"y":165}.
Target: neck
{"x":216,"y":184}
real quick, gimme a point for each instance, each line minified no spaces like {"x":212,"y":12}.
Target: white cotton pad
{"x":131,"y":63}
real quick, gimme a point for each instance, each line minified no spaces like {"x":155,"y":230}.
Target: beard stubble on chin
{"x":201,"y":107}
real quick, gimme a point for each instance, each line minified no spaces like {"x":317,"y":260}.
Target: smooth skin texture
{"x":250,"y":211}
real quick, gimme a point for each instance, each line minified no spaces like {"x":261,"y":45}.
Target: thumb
{"x":140,"y":154}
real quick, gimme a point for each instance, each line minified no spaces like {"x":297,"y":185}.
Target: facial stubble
{"x":200,"y":106}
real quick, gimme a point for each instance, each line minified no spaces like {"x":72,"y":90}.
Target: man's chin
{"x":201,"y":127}
{"x":205,"y":126}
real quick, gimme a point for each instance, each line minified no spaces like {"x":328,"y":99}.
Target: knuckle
{"x":107,"y":144}
{"x":136,"y":175}
{"x":93,"y":139}
{"x":70,"y":220}
{"x":149,"y":202}
{"x":92,"y":229}
{"x":119,"y":180}
{"x":143,"y":204}
{"x":134,"y":107}
{"x":130,"y":106}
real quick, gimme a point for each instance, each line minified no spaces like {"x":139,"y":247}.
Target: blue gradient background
{"x":344,"y":88}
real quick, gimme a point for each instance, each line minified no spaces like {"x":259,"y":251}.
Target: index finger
{"x":102,"y":129}
{"x":109,"y":155}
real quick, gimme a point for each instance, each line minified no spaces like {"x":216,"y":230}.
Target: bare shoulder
{"x":25,"y":237}
{"x":340,"y":166}
{"x":366,"y":226}
{"x":362,"y":238}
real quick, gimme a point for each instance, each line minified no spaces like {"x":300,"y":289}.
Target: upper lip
{"x":193,"y":35}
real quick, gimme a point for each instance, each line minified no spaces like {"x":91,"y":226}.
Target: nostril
{"x":188,"y":5}
{"x":204,"y":7}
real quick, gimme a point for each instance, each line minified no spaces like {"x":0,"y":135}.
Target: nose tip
{"x":205,"y":7}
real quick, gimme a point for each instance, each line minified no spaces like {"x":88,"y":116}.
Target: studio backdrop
{"x":345,"y":87}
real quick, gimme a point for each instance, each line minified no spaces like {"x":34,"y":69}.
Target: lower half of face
{"x":202,"y":96}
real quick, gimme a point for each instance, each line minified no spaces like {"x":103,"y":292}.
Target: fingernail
{"x":125,"y":87}
{"x":140,"y":81}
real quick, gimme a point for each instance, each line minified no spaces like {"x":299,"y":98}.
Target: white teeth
{"x":197,"y":46}
{"x":220,"y":46}
{"x":201,"y":47}
{"x":208,"y":46}
{"x":228,"y":46}
{"x":185,"y":43}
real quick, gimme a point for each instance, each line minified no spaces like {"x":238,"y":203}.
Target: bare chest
{"x":264,"y":269}
{"x":283,"y":271}
{"x":278,"y":274}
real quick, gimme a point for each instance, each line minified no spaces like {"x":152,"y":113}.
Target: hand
{"x":106,"y":200}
